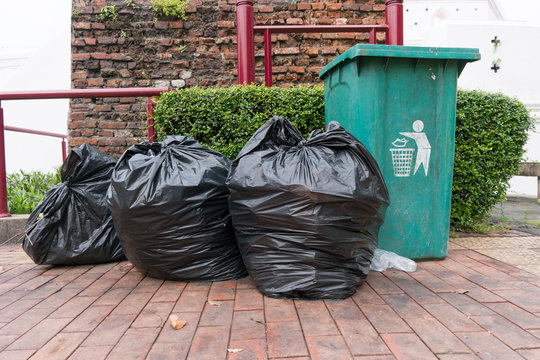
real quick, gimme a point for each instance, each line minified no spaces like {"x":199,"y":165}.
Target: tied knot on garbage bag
{"x":306,"y":212}
{"x":169,"y":204}
{"x":72,"y":223}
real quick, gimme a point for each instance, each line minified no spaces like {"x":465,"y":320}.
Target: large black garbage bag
{"x":169,"y":204}
{"x":72,"y":223}
{"x":306,"y":212}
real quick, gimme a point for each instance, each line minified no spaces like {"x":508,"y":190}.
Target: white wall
{"x":474,"y":23}
{"x":35,"y":54}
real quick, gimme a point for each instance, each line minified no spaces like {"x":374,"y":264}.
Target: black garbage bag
{"x":72,"y":223}
{"x":306,"y":212}
{"x":169,"y":204}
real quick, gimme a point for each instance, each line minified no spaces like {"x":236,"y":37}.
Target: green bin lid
{"x":397,"y":51}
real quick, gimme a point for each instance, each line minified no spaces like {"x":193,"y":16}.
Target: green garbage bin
{"x":400,"y":101}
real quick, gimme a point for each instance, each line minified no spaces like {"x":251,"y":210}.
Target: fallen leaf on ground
{"x":462,"y":291}
{"x":214,"y":303}
{"x":175,"y":323}
{"x":234,"y":350}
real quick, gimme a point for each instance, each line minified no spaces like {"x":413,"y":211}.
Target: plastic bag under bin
{"x":169,"y":204}
{"x":72,"y":223}
{"x":306,"y":212}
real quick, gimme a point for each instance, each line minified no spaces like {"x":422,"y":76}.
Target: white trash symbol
{"x":402,"y":157}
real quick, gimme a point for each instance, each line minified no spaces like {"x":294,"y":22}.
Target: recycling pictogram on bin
{"x":402,"y":156}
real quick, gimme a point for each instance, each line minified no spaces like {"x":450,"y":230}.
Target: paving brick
{"x":16,"y":354}
{"x":89,"y":319}
{"x":11,"y":296}
{"x":169,"y":335}
{"x":248,"y":299}
{"x":469,"y":356}
{"x":130,"y":280}
{"x":133,"y":303}
{"x":210,"y":343}
{"x":360,"y":336}
{"x":35,"y":283}
{"x":83,"y":281}
{"x":251,"y":349}
{"x":279,"y":310}
{"x":413,"y":288}
{"x":328,"y":347}
{"x":507,"y":332}
{"x":102,"y":285}
{"x":245,"y":283}
{"x":169,"y":291}
{"x":530,"y":354}
{"x":148,"y":284}
{"x":381,"y":284}
{"x":73,"y":307}
{"x":465,"y":304}
{"x":60,"y":346}
{"x":487,"y":346}
{"x":248,"y":325}
{"x":25,"y":322}
{"x":113,"y":297}
{"x":437,"y":337}
{"x":404,"y":305}
{"x":431,"y":281}
{"x":198,"y":286}
{"x":39,"y":335}
{"x":42,"y":292}
{"x":14,"y":272}
{"x":58,"y":299}
{"x":217,"y":314}
{"x":11,"y":312}
{"x":384,"y":319}
{"x":91,"y":353}
{"x":110,"y":330}
{"x":375,"y":357}
{"x":223,"y":290}
{"x":407,"y":346}
{"x":366,"y":295}
{"x":102,"y":268}
{"x":285,"y":339}
{"x":452,"y":318}
{"x":5,"y":340}
{"x":191,"y":301}
{"x":154,"y":315}
{"x":518,"y":316}
{"x":169,"y":351}
{"x":315,"y":318}
{"x":135,"y":344}
{"x":521,"y":298}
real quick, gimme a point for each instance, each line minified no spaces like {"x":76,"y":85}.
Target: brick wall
{"x":136,"y":51}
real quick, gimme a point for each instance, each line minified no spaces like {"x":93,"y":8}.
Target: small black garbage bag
{"x":306,"y":212}
{"x":72,"y":223}
{"x":169,"y":204}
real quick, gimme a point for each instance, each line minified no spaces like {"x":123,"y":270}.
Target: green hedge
{"x":223,"y":119}
{"x":491,"y":131}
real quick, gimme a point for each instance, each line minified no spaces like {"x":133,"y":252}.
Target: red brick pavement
{"x":468,"y":306}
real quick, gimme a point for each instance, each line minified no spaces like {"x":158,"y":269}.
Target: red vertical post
{"x":150,"y":118}
{"x":372,"y":36}
{"x":245,"y":48}
{"x":267,"y":58}
{"x":394,"y":20}
{"x":64,"y":150}
{"x":4,"y":211}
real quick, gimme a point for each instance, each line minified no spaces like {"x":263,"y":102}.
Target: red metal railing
{"x":65,"y":94}
{"x":44,"y":133}
{"x":246,"y":29}
{"x":269,"y":30}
